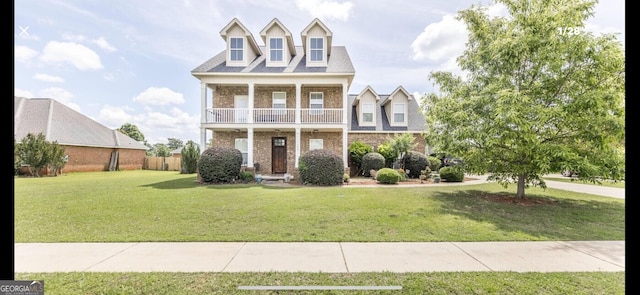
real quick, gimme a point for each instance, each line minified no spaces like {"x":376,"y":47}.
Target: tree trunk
{"x":520,"y":192}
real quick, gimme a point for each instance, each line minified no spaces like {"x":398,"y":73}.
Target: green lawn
{"x":128,"y":206}
{"x":607,"y":183}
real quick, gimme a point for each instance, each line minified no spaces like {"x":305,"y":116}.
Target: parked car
{"x":569,"y":173}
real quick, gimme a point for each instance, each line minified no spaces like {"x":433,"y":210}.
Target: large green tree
{"x":132,"y":131}
{"x":539,"y":95}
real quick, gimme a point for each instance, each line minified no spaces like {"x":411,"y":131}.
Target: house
{"x":276,"y":101}
{"x":89,"y":145}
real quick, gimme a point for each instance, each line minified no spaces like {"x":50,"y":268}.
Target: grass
{"x":607,"y":183}
{"x":127,"y":206}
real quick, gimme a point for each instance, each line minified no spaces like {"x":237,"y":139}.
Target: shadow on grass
{"x":181,"y":183}
{"x":543,"y":216}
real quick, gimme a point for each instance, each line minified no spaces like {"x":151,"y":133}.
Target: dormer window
{"x":276,"y":49}
{"x":316,"y":49}
{"x":367,"y":112}
{"x":236,"y":49}
{"x":398,"y":113}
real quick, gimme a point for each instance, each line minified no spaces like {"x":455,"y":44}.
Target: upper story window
{"x":279,"y":101}
{"x":398,"y":113}
{"x":367,"y":112}
{"x":316,"y":103}
{"x":236,"y":48}
{"x":316,"y":49}
{"x":276,"y":49}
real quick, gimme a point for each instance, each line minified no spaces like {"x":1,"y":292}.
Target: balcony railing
{"x":273,"y":116}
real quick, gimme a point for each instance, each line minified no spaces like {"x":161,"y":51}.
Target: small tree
{"x":401,"y":144}
{"x":357,"y":150}
{"x":174,"y":143}
{"x":389,"y":155}
{"x":33,"y":151}
{"x":56,"y":158}
{"x":190,"y":154}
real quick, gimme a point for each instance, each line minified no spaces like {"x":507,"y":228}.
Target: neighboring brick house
{"x":276,"y":102}
{"x":89,"y":145}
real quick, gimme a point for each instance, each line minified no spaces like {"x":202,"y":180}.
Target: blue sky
{"x":120,"y":61}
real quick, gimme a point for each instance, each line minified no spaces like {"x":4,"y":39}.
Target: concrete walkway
{"x":329,"y":257}
{"x":332,"y":257}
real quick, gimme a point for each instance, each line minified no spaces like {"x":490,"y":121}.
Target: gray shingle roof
{"x":338,"y":62}
{"x":416,"y":120}
{"x":64,"y":125}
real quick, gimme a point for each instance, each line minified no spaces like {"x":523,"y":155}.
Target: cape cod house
{"x":276,"y":101}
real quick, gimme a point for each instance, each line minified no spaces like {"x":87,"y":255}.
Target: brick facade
{"x":224,"y":96}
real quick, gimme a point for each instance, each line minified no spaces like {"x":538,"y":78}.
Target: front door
{"x":278,"y":155}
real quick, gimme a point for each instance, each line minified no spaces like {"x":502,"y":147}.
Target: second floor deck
{"x":274,"y":116}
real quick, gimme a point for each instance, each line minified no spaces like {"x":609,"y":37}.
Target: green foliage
{"x":434,"y":163}
{"x":401,"y":144}
{"x":220,"y":165}
{"x":174,"y":143}
{"x":452,"y":174}
{"x":357,"y":150}
{"x":33,"y":151}
{"x":387,"y":176}
{"x":132,"y":131}
{"x":190,"y":154}
{"x":389,"y":155}
{"x":56,"y":158}
{"x":346,"y":178}
{"x":246,"y":176}
{"x":159,"y":150}
{"x":372,"y":161}
{"x":321,"y":167}
{"x":415,"y":162}
{"x":402,"y":173}
{"x":535,"y":100}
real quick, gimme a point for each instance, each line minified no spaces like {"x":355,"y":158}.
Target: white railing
{"x":273,"y":116}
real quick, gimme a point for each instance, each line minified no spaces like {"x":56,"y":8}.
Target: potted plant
{"x":436,"y":178}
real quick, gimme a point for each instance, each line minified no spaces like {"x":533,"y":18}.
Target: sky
{"x":121,"y":61}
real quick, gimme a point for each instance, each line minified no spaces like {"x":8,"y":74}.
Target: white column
{"x":249,"y":147}
{"x":297,"y":145}
{"x":345,"y":149}
{"x":345,"y":99}
{"x":203,"y":116}
{"x":250,"y":102}
{"x":298,"y":105}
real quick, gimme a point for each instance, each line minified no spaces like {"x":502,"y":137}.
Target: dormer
{"x":279,"y":44}
{"x":242,"y":48}
{"x":396,"y":106}
{"x":316,"y":42}
{"x":365,"y":104}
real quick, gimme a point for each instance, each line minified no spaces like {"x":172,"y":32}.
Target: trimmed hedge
{"x":387,"y":176}
{"x":321,"y":167}
{"x":220,"y":165}
{"x":415,"y":162}
{"x":371,"y":161}
{"x":452,"y":174}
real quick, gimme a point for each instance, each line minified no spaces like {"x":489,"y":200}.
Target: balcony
{"x":273,"y":116}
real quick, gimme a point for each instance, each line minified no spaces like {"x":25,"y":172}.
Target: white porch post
{"x":249,"y":147}
{"x":345,"y":150}
{"x":345,"y":99}
{"x":297,"y":145}
{"x":250,"y":102}
{"x":298,"y":101}
{"x":203,"y":116}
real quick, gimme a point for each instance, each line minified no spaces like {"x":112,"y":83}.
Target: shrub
{"x":402,"y":174}
{"x":452,"y":174}
{"x":321,"y":167}
{"x":387,"y":176}
{"x":220,"y":165}
{"x":415,"y":162}
{"x":246,"y":176}
{"x":372,"y":161}
{"x":434,"y":163}
{"x":388,"y":153}
{"x":373,"y":173}
{"x":346,"y":178}
{"x":190,"y":154}
{"x":357,"y":150}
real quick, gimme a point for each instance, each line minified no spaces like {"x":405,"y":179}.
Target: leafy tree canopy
{"x":174,"y":143}
{"x":540,"y":95}
{"x":132,"y":131}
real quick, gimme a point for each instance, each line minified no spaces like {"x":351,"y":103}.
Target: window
{"x":315,"y":144}
{"x":242,"y":146}
{"x":279,"y":101}
{"x":316,"y":49}
{"x":276,"y":49}
{"x":367,"y":112}
{"x":316,"y":103}
{"x":236,"y":49}
{"x":398,"y":112}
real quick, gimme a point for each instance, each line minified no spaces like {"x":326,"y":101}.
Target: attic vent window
{"x":276,"y":48}
{"x":316,"y":50}
{"x":236,"y":47}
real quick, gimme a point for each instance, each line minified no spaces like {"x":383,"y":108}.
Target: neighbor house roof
{"x":65,"y":126}
{"x":415,"y":118}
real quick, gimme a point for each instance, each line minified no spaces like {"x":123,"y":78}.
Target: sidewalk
{"x":329,"y":257}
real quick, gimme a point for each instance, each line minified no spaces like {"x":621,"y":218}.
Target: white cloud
{"x":102,"y":43}
{"x":61,"y":95}
{"x":23,"y":53}
{"x":114,"y":116}
{"x":326,"y":8}
{"x":48,"y":78}
{"x":73,"y":37}
{"x":78,"y":55}
{"x":159,"y":96}
{"x":440,"y":41}
{"x":22,"y":93}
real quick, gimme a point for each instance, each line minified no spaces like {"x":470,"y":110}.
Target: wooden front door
{"x":278,"y":155}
